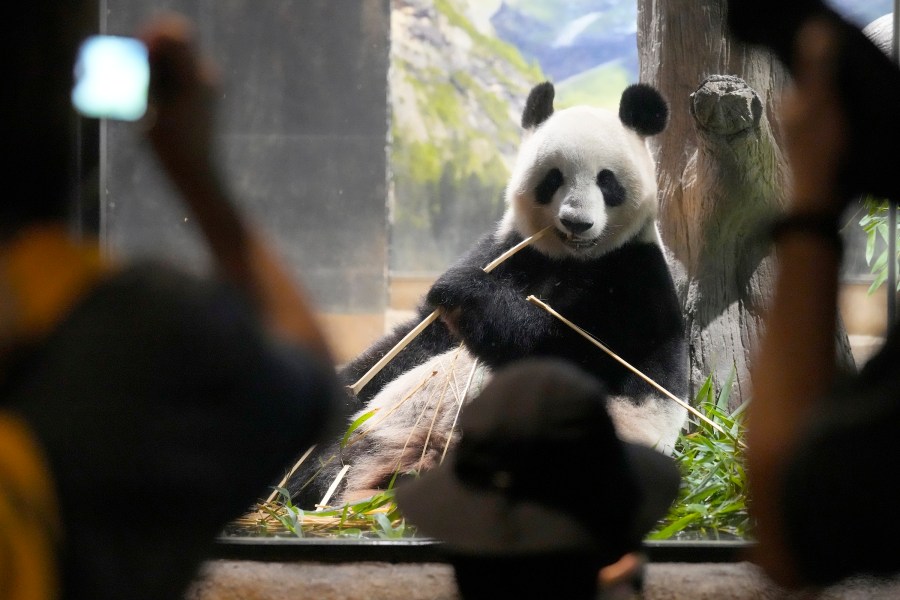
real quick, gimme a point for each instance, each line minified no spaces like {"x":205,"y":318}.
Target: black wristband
{"x":819,"y":225}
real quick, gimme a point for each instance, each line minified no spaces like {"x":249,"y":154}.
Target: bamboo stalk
{"x":437,"y":409}
{"x":461,"y":401}
{"x":291,"y":472}
{"x":421,"y":414}
{"x":378,"y":366}
{"x":333,"y":486}
{"x":632,"y":368}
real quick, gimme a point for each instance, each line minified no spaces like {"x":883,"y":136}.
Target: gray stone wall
{"x":303,"y":130}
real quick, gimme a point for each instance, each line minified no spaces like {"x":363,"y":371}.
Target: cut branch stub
{"x":725,"y":105}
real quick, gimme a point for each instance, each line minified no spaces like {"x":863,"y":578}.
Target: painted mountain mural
{"x":460,"y":73}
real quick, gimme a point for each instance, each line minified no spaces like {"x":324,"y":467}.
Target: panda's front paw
{"x":459,"y":288}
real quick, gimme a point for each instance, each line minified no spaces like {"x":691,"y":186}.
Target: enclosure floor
{"x":246,"y":580}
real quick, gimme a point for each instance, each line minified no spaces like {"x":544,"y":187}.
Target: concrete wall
{"x":304,"y":124}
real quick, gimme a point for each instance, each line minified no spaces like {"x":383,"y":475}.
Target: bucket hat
{"x":539,"y":468}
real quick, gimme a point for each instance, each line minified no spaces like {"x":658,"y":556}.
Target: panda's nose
{"x":576,"y":227}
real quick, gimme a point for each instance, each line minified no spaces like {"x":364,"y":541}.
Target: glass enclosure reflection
{"x":303,"y":131}
{"x":373,"y":138}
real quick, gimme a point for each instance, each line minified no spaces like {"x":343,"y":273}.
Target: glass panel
{"x":864,"y":295}
{"x":373,"y":140}
{"x":303,"y":115}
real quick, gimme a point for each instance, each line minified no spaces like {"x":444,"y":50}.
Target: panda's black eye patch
{"x":613,"y":192}
{"x":551,"y":182}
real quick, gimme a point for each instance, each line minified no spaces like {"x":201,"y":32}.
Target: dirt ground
{"x":248,"y":580}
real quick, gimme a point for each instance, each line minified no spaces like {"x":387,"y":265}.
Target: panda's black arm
{"x":434,"y":340}
{"x":493,"y":317}
{"x":638,"y":316}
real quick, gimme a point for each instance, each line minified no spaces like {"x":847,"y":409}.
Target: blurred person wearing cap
{"x":539,"y":495}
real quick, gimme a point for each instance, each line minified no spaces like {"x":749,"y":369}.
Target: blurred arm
{"x":795,"y":364}
{"x":181,"y":129}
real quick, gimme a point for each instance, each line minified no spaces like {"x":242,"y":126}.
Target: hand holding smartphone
{"x":112,"y":78}
{"x":161,"y":79}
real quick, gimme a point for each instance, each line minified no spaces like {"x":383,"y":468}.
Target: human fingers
{"x":168,"y":40}
{"x":183,"y":90}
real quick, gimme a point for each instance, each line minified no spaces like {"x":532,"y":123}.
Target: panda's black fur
{"x":576,"y":167}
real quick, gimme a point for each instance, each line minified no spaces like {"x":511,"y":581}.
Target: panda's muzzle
{"x":575,"y":227}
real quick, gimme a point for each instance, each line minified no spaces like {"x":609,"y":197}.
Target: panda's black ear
{"x":643,"y":109}
{"x":539,"y":105}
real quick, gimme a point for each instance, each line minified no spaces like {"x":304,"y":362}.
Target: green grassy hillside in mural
{"x":456,"y":93}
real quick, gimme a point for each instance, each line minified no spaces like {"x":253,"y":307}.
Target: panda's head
{"x":587,"y":172}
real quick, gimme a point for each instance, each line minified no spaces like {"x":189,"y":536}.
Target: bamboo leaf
{"x":725,"y":393}
{"x":880,"y":278}
{"x":355,"y":425}
{"x":675,"y":527}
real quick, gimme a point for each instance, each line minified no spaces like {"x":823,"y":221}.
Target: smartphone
{"x":112,"y":77}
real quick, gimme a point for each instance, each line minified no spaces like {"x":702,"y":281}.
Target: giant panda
{"x":588,"y":173}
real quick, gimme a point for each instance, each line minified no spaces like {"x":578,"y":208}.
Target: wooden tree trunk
{"x":720,"y":170}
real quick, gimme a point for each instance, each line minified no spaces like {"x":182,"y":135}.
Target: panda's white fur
{"x":414,"y":420}
{"x":568,"y":139}
{"x":588,"y":173}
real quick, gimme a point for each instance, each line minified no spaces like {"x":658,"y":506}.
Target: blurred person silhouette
{"x":141,"y":408}
{"x":822,"y":449}
{"x":539,"y":495}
